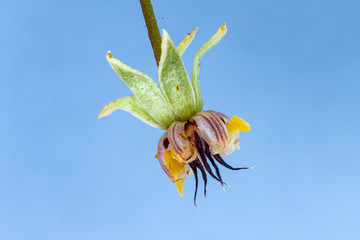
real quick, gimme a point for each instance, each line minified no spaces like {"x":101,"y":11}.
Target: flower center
{"x":197,"y":145}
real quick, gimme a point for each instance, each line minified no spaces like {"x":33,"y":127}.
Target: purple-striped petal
{"x":212,"y":130}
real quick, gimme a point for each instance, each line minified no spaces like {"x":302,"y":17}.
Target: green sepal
{"x":132,"y":105}
{"x":186,"y":41}
{"x":196,"y":64}
{"x":174,"y":81}
{"x":146,"y":91}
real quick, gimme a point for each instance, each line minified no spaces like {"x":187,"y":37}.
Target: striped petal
{"x":179,"y":142}
{"x":174,"y":80}
{"x":163,"y":144}
{"x":132,"y":105}
{"x":146,"y":90}
{"x":196,"y":64}
{"x":213,"y":130}
{"x":169,"y":161}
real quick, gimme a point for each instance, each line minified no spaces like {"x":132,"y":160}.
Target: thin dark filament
{"x":209,"y":155}
{"x":222,"y":162}
{"x":203,"y":173}
{"x":193,"y":168}
{"x":199,"y":146}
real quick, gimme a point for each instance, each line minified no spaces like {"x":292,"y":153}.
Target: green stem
{"x":152,"y":27}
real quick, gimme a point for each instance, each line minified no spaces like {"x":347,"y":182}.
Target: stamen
{"x":209,"y":155}
{"x":199,"y":147}
{"x":203,"y":173}
{"x":222,"y":162}
{"x":193,"y":168}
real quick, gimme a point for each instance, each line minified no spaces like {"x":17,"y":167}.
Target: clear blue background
{"x":290,"y":68}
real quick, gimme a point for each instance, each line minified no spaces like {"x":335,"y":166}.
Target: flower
{"x":193,"y":136}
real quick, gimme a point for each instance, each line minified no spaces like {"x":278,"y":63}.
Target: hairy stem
{"x":152,"y":27}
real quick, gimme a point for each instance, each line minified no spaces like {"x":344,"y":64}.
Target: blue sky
{"x":290,"y":68}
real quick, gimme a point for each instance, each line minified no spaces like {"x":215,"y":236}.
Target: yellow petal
{"x":172,"y":163}
{"x":237,"y":124}
{"x":179,"y":186}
